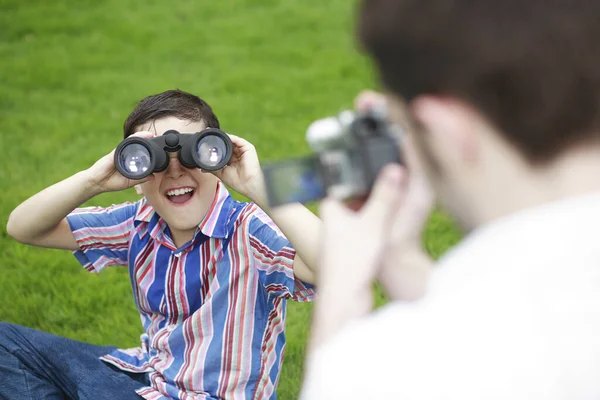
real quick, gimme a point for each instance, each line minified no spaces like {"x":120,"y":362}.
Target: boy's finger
{"x":238,"y":141}
{"x":144,"y":134}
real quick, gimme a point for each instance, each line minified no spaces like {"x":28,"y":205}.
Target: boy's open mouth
{"x":180,"y":196}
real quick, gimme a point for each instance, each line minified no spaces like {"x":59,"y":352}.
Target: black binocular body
{"x":136,"y":157}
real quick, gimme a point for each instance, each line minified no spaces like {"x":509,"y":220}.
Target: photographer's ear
{"x":449,"y":128}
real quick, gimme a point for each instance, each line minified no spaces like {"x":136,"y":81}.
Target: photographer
{"x":502,"y":102}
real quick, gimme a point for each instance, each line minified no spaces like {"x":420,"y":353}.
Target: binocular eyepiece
{"x":209,"y":150}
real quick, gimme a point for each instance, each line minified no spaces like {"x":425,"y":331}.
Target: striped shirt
{"x":213,"y":310}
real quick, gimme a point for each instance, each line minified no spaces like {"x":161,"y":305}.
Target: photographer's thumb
{"x":385,"y":196}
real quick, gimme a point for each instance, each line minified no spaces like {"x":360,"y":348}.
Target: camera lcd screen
{"x":293,"y":181}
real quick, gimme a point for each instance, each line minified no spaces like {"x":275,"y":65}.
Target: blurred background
{"x":70,"y":73}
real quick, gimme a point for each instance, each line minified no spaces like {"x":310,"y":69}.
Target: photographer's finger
{"x":421,"y":191}
{"x":385,"y":194}
{"x":411,"y":159}
{"x":369,"y":99}
{"x":331,"y":210}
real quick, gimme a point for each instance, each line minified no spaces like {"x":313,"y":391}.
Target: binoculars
{"x":209,"y":150}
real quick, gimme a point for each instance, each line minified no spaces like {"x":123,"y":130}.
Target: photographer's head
{"x":503,"y":96}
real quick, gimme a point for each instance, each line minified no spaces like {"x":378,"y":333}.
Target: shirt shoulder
{"x":116,"y":214}
{"x":257,"y":223}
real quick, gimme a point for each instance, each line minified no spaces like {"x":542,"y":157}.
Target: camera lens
{"x":213,"y":152}
{"x":367,"y":126}
{"x":134,"y":159}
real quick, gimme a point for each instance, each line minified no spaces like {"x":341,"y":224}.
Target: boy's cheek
{"x":149,"y":188}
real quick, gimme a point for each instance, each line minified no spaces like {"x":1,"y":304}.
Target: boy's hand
{"x":243,"y":173}
{"x":104,"y":177}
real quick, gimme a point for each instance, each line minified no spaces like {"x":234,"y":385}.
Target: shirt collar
{"x":215,"y":223}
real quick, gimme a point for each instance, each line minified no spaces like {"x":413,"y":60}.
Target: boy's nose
{"x":175,"y":169}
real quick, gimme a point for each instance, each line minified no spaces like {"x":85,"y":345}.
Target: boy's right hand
{"x":104,"y":177}
{"x":41,"y":220}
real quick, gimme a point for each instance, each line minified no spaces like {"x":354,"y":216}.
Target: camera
{"x":137,"y":158}
{"x":349,"y":151}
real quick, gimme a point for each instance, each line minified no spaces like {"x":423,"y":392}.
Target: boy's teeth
{"x":178,"y":192}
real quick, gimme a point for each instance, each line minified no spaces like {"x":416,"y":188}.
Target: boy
{"x":210,"y":275}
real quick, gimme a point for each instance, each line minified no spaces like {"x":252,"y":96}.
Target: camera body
{"x":349,"y":151}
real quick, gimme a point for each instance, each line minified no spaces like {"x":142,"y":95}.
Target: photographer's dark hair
{"x":172,"y":103}
{"x":532,"y":67}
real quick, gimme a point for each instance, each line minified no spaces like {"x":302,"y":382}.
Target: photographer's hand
{"x":374,"y":243}
{"x":41,"y":219}
{"x":405,"y":266}
{"x":352,"y":248}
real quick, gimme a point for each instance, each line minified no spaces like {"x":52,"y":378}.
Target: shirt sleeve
{"x":274,"y":257}
{"x":102,"y":235}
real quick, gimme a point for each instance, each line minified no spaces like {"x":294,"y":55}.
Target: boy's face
{"x":181,"y":196}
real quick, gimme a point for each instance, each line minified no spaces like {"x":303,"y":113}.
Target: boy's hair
{"x":532,"y":67}
{"x":172,"y":103}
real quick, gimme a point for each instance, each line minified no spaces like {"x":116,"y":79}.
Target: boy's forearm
{"x":302,"y":228}
{"x":300,"y":225}
{"x":42,"y":212}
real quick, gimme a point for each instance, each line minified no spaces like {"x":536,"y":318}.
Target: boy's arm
{"x":41,"y":220}
{"x":272,"y":254}
{"x":303,"y":229}
{"x":296,"y":222}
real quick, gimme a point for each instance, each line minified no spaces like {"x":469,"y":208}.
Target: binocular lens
{"x":211,"y":151}
{"x":135,"y":160}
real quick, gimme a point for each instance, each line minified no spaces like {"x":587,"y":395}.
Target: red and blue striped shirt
{"x":213,"y":310}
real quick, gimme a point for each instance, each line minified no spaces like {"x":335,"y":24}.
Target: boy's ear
{"x":138,"y":190}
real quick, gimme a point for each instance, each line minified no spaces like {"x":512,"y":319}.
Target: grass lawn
{"x":70,"y":73}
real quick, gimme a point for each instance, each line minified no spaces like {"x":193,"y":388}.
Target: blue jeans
{"x":36,"y":365}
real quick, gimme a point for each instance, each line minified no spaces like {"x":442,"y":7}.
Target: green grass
{"x":71,"y":71}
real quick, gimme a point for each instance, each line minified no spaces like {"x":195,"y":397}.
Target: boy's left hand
{"x":243,"y":173}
